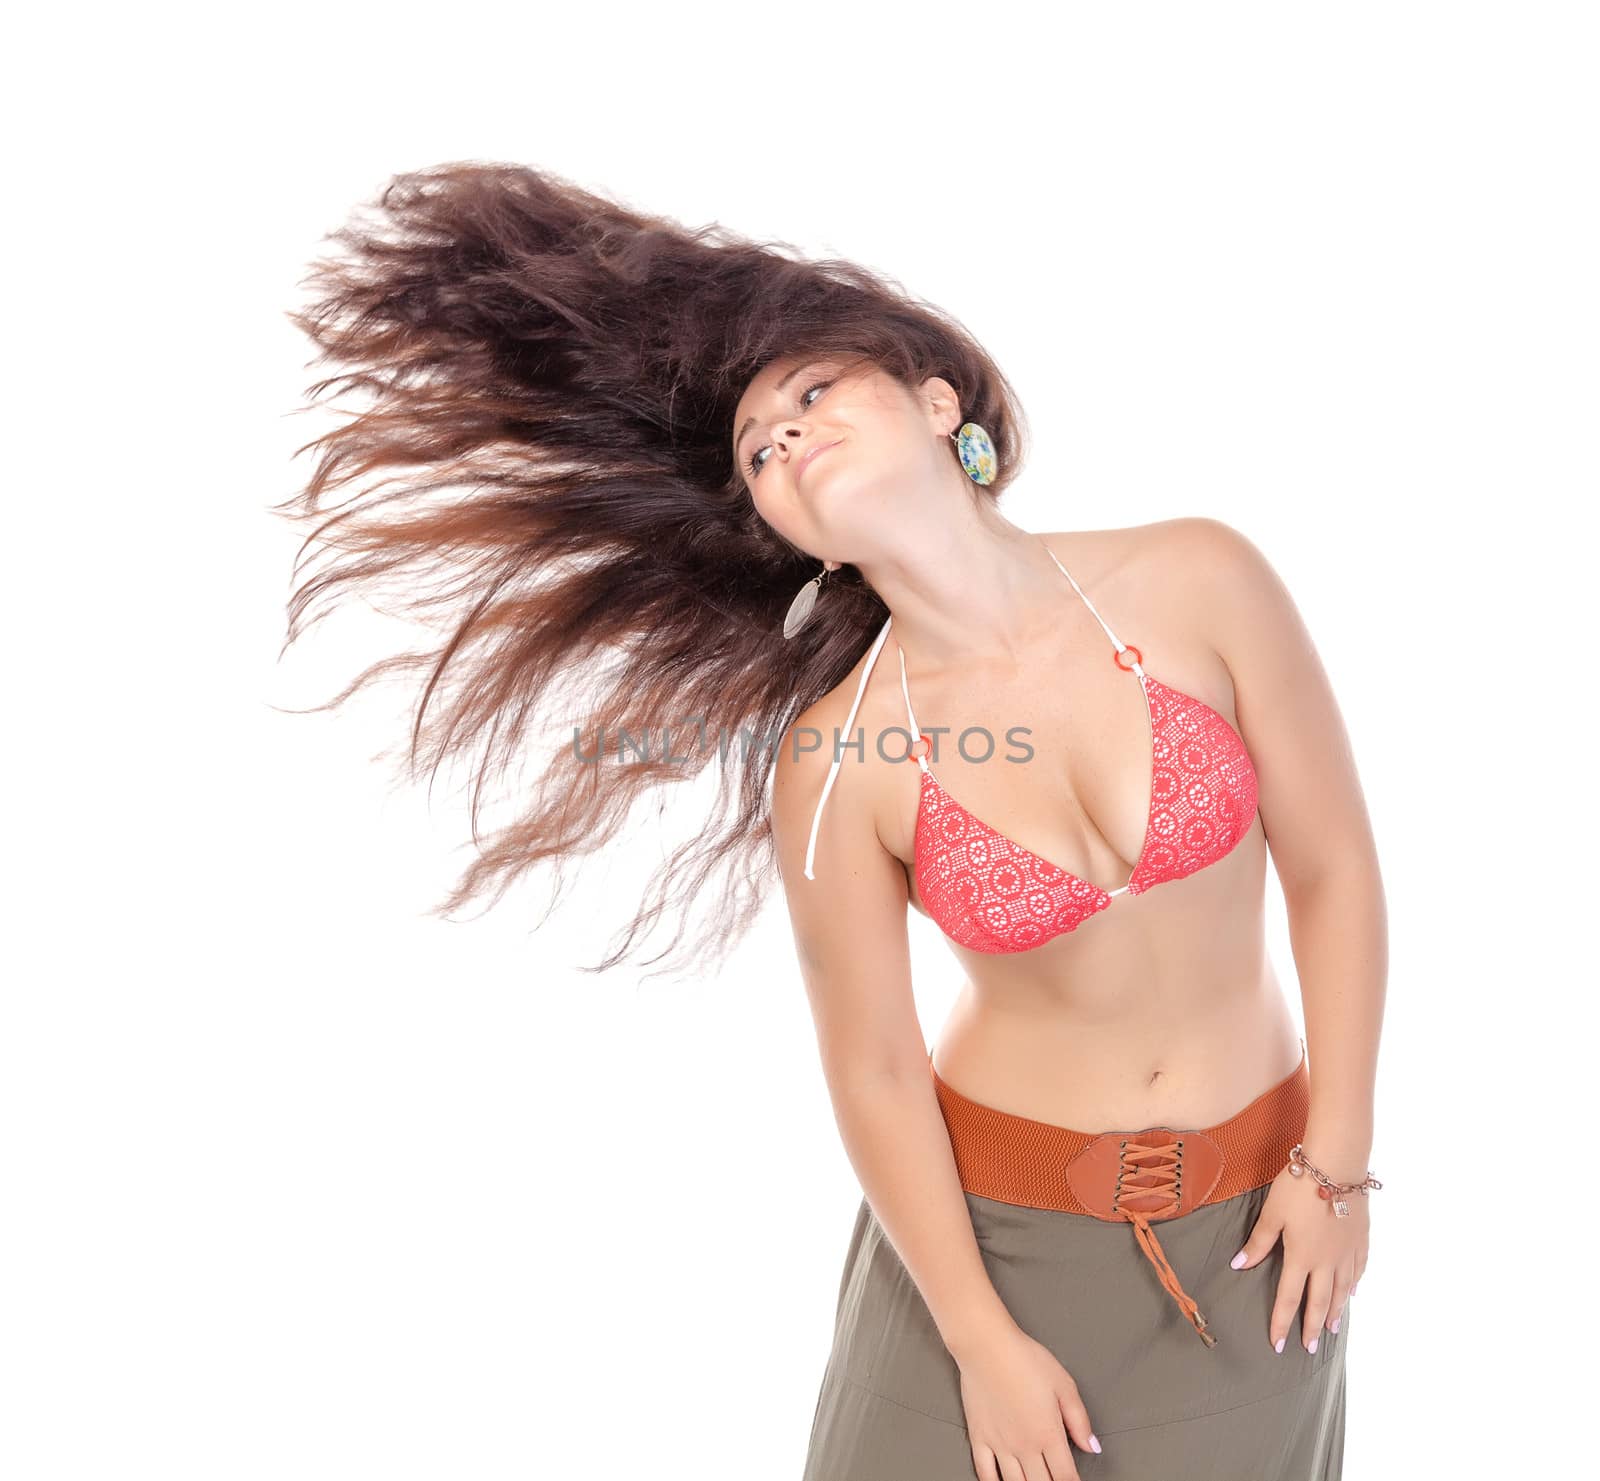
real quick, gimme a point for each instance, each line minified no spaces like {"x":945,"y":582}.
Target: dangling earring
{"x":804,"y":604}
{"x":977,"y":452}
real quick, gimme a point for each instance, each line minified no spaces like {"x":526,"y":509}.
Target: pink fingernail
{"x":1312,"y":1345}
{"x":1278,"y":1345}
{"x":1353,"y":1286}
{"x":1094,"y":1444}
{"x":1333,"y":1326}
{"x":1238,"y":1260}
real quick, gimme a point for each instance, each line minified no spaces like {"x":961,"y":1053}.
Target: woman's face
{"x":878,"y":449}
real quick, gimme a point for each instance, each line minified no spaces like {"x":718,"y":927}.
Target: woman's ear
{"x":940,"y":399}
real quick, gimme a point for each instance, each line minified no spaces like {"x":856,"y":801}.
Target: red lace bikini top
{"x":992,"y":895}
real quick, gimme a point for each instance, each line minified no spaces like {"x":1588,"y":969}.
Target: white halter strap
{"x":838,"y":756}
{"x":1117,"y":642}
{"x":911,"y":714}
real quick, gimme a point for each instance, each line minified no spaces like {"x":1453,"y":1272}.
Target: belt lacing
{"x":1161,"y":1169}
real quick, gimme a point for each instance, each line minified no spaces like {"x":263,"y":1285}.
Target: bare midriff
{"x":1162,"y":1010}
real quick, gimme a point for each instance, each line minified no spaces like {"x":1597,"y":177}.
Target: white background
{"x":301,"y":1181}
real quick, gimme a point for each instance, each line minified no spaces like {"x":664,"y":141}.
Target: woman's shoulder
{"x":1184,"y":558}
{"x":1178,"y":575}
{"x":862,"y":804}
{"x":1193,"y":536}
{"x":805,"y":751}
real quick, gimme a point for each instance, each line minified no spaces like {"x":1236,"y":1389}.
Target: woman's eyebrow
{"x":749,"y":422}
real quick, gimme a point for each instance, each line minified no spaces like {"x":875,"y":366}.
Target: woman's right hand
{"x":1021,"y":1407}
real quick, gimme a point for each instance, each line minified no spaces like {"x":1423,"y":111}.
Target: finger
{"x":1077,"y":1419}
{"x":1341,"y":1294}
{"x":1344,"y":1282}
{"x":1059,"y":1465}
{"x":1259,"y":1245}
{"x":1291,"y":1286}
{"x":983,"y":1462}
{"x":1011,"y":1468}
{"x":1319,"y":1291}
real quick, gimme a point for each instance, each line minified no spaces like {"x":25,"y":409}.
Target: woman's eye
{"x":756,"y":467}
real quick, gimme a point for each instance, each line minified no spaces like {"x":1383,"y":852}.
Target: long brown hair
{"x":544,"y":456}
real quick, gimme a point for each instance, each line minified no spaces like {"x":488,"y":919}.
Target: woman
{"x":1099,"y":1210}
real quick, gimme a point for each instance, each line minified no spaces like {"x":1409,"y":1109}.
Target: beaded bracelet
{"x":1300,"y":1164}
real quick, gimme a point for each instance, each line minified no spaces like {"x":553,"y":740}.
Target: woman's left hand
{"x":1323,"y":1255}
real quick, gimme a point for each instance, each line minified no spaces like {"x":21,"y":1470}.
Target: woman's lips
{"x":805,"y":462}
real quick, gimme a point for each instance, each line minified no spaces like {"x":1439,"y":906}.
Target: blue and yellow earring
{"x":976,"y":452}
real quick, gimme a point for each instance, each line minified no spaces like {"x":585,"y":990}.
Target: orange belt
{"x":1142,"y":1177}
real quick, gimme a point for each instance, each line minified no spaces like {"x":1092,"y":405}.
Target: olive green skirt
{"x":1164,"y":1406}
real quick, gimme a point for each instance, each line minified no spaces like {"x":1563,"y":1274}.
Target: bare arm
{"x":1319,"y":833}
{"x":850,"y":930}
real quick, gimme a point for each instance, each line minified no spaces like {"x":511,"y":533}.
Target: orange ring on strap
{"x":911,"y":750}
{"x":1116,"y":657}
